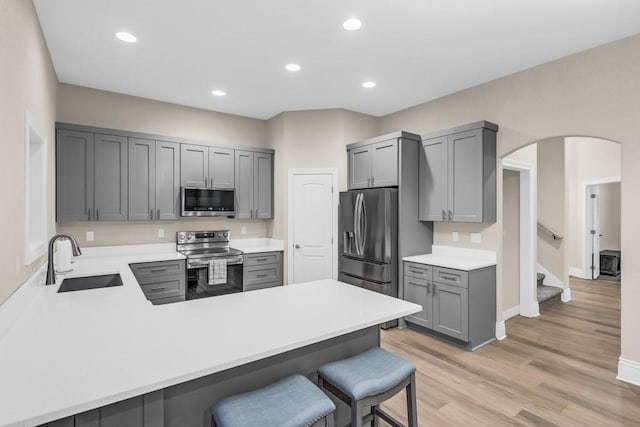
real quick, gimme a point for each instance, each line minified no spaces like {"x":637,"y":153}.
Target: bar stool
{"x":292,"y":402}
{"x":367,"y":380}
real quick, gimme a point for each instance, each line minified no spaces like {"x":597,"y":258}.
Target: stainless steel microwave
{"x":207,"y":202}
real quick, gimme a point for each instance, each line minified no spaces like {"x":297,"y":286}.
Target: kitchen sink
{"x":90,"y":282}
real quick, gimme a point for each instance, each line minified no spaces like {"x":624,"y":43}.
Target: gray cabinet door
{"x":221,"y":168}
{"x":451,"y":311}
{"x":359,"y":168}
{"x":263,"y":185}
{"x":110,"y":164}
{"x":194,"y":165}
{"x":465,"y":176}
{"x":384,"y":164}
{"x":142,"y":176}
{"x":418,"y":291}
{"x":167,"y":180}
{"x":434,"y":180}
{"x":74,"y":176}
{"x":244,"y":184}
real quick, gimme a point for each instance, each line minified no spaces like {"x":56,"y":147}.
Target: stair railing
{"x":553,"y":234}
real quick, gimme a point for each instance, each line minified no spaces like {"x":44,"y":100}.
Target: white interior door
{"x":312,"y":216}
{"x":594,"y":230}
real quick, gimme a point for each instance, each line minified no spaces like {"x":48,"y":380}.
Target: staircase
{"x":547,"y":295}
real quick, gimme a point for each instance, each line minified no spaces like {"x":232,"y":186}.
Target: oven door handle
{"x":230,"y":261}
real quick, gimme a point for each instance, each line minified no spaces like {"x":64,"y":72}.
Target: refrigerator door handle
{"x":356,"y":217}
{"x":363,"y":224}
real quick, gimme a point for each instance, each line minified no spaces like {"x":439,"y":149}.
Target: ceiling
{"x":415,"y":50}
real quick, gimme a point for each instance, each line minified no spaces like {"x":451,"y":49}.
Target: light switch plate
{"x":476,"y":238}
{"x":89,"y":236}
{"x":160,"y":232}
{"x":455,"y":236}
{"x":243,"y":230}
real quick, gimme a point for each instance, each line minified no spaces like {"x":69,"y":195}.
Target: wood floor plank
{"x":555,"y":370}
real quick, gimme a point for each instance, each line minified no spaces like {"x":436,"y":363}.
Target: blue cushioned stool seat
{"x":367,"y":374}
{"x":366,"y":381}
{"x":292,"y":402}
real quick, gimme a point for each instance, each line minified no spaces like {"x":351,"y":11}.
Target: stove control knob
{"x":226,"y":234}
{"x":189,"y":236}
{"x":219,"y":235}
{"x":181,"y":236}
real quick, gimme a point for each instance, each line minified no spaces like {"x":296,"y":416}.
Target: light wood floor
{"x":557,"y":369}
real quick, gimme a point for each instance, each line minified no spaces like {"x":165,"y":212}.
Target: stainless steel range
{"x":213,"y":268}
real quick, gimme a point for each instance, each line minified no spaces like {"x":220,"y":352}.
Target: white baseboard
{"x":501,"y":330}
{"x":629,"y":371}
{"x":566,"y":295}
{"x":511,"y":312}
{"x":578,"y":272}
{"x":550,"y":279}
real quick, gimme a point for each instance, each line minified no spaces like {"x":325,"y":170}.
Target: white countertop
{"x":456,"y":258}
{"x":251,"y":246}
{"x":71,"y":352}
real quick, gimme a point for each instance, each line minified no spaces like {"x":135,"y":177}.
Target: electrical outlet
{"x":160,"y":232}
{"x":89,"y":236}
{"x":455,"y":236}
{"x":243,"y":230}
{"x":476,"y":238}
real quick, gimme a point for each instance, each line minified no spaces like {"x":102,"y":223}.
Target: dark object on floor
{"x":610,"y":262}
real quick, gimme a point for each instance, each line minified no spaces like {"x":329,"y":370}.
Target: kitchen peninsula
{"x":68,"y":354}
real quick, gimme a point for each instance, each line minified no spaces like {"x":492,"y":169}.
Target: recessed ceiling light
{"x":292,"y":67}
{"x":126,"y":37}
{"x":218,"y":92}
{"x":369,"y":84}
{"x":352,"y":24}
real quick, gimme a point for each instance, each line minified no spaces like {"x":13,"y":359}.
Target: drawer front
{"x":258,"y":274}
{"x":261,"y":286}
{"x":163,"y":287}
{"x":451,"y":277}
{"x":263,"y":258}
{"x":162,"y":301}
{"x":155,"y":269}
{"x":419,"y":271}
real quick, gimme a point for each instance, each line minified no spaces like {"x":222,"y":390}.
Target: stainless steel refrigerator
{"x":369,"y":240}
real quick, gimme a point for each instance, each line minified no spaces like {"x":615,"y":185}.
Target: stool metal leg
{"x":412,"y":407}
{"x":374,"y":420}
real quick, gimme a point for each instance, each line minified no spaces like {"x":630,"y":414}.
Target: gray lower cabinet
{"x":455,"y":303}
{"x":262,"y":270}
{"x":373,"y":165}
{"x":154,"y":180}
{"x":161,"y":282}
{"x":92,"y":176}
{"x":458,"y":174}
{"x":253,"y":185}
{"x":207,"y":167}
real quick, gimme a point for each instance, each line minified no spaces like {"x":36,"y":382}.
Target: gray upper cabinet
{"x":110,"y":166}
{"x":194,"y":165}
{"x":74,"y":175}
{"x":253,"y":185}
{"x":373,"y":164}
{"x":154,"y":180}
{"x":221,"y":168}
{"x":458,"y":174}
{"x":207,"y":167}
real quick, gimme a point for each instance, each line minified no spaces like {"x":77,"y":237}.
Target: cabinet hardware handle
{"x":151,"y":214}
{"x":444,"y":215}
{"x":445,"y":277}
{"x":97,"y":214}
{"x":428,"y":287}
{"x":368,"y":181}
{"x":158,"y":289}
{"x":158,"y":214}
{"x":261,"y":276}
{"x":205,"y":183}
{"x":158,"y":270}
{"x":450,"y":215}
{"x":89,"y":214}
{"x":261,"y":259}
{"x":372,"y":180}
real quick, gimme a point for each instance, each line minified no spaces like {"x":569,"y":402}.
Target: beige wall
{"x":511,"y":238}
{"x":587,"y":160}
{"x":312,"y":139}
{"x":85,"y":106}
{"x":610,"y":216}
{"x":592,"y":93}
{"x":27,"y":82}
{"x":551,"y":207}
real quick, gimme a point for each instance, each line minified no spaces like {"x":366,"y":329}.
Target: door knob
{"x":297,"y":246}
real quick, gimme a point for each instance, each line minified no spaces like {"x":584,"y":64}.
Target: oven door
{"x":207,"y":202}
{"x":198,"y":273}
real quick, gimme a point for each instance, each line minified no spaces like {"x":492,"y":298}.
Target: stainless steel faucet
{"x":51,"y":272}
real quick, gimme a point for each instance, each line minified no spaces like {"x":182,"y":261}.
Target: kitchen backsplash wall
{"x":146,"y":232}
